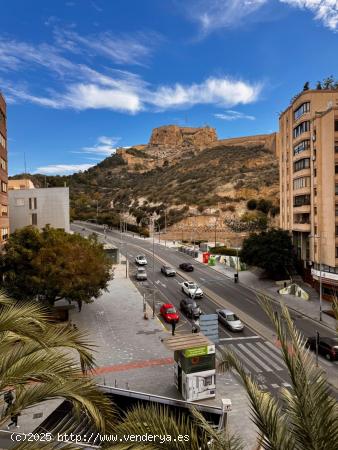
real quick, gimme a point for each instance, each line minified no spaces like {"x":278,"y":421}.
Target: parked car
{"x":229,"y":319}
{"x":190,"y":308}
{"x":141,"y":274}
{"x":187,"y":267}
{"x":141,"y":260}
{"x":327,"y":346}
{"x":190,"y":288}
{"x":168,"y":271}
{"x":169,"y":313}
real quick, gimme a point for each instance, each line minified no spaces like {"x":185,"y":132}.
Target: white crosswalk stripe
{"x":257,"y":356}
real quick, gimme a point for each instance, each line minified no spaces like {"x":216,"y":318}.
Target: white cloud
{"x":123,"y":49}
{"x":217,"y":91}
{"x":215,"y":14}
{"x":233,"y":115}
{"x":63,"y":169}
{"x":324,"y":10}
{"x":105,"y":146}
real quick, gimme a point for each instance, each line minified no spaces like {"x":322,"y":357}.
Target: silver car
{"x":229,"y":319}
{"x":141,"y":274}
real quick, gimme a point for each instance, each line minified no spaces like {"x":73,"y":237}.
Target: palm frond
{"x":312,"y":412}
{"x":266,"y":413}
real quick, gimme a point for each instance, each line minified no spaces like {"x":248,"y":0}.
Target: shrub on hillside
{"x":251,"y":204}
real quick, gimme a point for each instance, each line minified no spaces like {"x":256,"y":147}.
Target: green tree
{"x":271,"y":250}
{"x":42,"y":361}
{"x":306,"y":86}
{"x":251,"y":204}
{"x":53,"y":264}
{"x":264,"y":205}
{"x":319,"y":86}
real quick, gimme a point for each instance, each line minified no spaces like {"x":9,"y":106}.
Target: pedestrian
{"x":195,"y":327}
{"x":14,"y":421}
{"x":75,"y":328}
{"x":9,"y":398}
{"x":173,"y":326}
{"x":79,"y":305}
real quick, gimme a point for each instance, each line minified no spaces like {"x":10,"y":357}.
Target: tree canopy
{"x":271,"y":250}
{"x":53,"y":264}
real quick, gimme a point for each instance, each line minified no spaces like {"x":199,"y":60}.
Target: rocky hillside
{"x":182,"y":171}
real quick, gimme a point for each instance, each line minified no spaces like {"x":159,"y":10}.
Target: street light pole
{"x":153,"y":226}
{"x":317,"y":236}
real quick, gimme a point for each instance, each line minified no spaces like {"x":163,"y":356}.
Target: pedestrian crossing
{"x":257,"y":356}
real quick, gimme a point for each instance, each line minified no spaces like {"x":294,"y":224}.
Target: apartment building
{"x":4,"y":222}
{"x":39,"y":207}
{"x":307,"y":146}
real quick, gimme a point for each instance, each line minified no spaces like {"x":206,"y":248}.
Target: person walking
{"x":173,"y":327}
{"x":9,"y":398}
{"x":14,"y":421}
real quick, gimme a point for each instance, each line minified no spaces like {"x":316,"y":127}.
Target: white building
{"x":39,"y":207}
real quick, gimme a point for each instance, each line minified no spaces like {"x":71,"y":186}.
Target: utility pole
{"x":153,"y":227}
{"x":97,"y":211}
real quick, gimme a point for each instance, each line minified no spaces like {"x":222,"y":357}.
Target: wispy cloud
{"x":214,"y":14}
{"x":105,"y":146}
{"x":325,"y":11}
{"x":218,"y":91}
{"x":63,"y":169}
{"x":121,"y":49}
{"x":75,"y":85}
{"x":234,"y":115}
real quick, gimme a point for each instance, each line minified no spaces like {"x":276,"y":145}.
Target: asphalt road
{"x":259,"y":356}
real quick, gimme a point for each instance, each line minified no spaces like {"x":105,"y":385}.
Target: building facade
{"x":39,"y":207}
{"x":307,"y":146}
{"x":23,"y":183}
{"x":4,"y":222}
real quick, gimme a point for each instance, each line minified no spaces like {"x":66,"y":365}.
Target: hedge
{"x":223,"y":251}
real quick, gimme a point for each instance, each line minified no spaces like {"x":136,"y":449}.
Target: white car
{"x":141,"y":260}
{"x":190,"y":288}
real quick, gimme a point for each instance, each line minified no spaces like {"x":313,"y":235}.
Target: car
{"x":169,"y":313}
{"x":229,"y":319}
{"x":168,"y":271}
{"x":141,"y":260}
{"x":141,"y":274}
{"x":187,"y":267}
{"x":190,"y":288}
{"x":190,"y":308}
{"x":327,"y":346}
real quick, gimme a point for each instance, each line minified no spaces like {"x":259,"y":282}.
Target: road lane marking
{"x":244,"y":358}
{"x":254,"y":357}
{"x":272,"y":355}
{"x":242,"y":338}
{"x":264,"y":355}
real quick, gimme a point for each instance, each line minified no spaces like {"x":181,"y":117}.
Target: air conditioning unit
{"x":313,"y":137}
{"x":329,"y":104}
{"x":313,"y":158}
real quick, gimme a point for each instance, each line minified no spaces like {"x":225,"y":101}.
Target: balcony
{"x":301,"y":222}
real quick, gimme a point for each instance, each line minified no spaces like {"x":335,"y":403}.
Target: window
{"x":315,"y":191}
{"x":336,"y":188}
{"x":301,"y":200}
{"x":301,"y":164}
{"x":336,"y":230}
{"x":19,"y":202}
{"x":336,"y":210}
{"x":336,"y":147}
{"x":3,"y":164}
{"x":302,"y":182}
{"x":301,"y":147}
{"x":2,"y":141}
{"x":4,"y":234}
{"x":4,"y":210}
{"x":304,"y":108}
{"x":33,"y":203}
{"x":336,"y":252}
{"x":336,"y":125}
{"x":3,"y":186}
{"x":314,"y":172}
{"x":34,"y":219}
{"x":301,"y":128}
{"x":315,"y":210}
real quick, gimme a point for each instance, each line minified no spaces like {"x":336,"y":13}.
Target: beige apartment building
{"x":4,"y":222}
{"x":307,"y":146}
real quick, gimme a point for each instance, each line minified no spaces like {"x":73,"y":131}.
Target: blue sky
{"x":81,"y":77}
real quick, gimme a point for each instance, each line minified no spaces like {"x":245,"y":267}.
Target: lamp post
{"x":153,"y":227}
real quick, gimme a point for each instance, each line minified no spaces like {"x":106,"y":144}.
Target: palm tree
{"x":41,"y":360}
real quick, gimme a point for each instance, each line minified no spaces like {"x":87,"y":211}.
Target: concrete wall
{"x":52,"y":207}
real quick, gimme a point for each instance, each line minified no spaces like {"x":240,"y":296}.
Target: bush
{"x":223,"y":251}
{"x":251,"y":204}
{"x":264,"y":205}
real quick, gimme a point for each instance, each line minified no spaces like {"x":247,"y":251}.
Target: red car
{"x":169,"y":313}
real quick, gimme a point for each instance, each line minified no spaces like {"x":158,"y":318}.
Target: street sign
{"x":209,"y":326}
